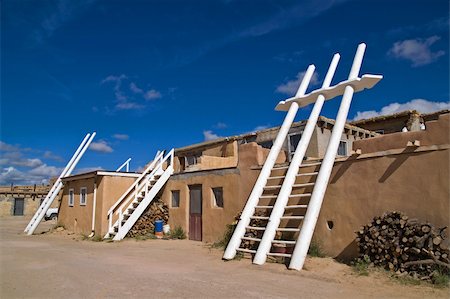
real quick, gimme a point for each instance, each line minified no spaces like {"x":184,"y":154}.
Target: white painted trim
{"x":71,"y":200}
{"x":94,"y":204}
{"x":81,"y":196}
{"x":107,"y":173}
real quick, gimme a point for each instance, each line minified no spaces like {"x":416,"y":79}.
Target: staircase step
{"x":296,"y":207}
{"x":293,"y":217}
{"x":112,"y":233}
{"x":255,"y":227}
{"x":279,"y":254}
{"x":283,"y":242}
{"x":131,"y":210}
{"x":263,"y":207}
{"x":135,"y":204}
{"x":288,"y":229}
{"x":251,"y":239}
{"x":260,"y":217}
{"x":246,"y":250}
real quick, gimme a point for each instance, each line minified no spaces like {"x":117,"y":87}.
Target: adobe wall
{"x":109,"y":191}
{"x":416,"y":183}
{"x":437,"y":132}
{"x":30,"y":205}
{"x":77,"y":218}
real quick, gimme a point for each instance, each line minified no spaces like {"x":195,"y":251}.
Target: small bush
{"x":226,"y":237}
{"x":97,"y":238}
{"x":315,"y":249}
{"x":145,"y":237}
{"x":361,"y":265}
{"x":178,"y":233}
{"x":441,"y":278}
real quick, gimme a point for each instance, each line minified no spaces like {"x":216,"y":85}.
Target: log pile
{"x":250,"y":244}
{"x":405,"y":246}
{"x":145,"y":225}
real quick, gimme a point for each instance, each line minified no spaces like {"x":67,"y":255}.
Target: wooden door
{"x":195,"y":212}
{"x":18,"y":206}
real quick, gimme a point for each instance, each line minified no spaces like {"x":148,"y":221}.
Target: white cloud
{"x":7,"y":147}
{"x":220,"y":125}
{"x":101,"y":146}
{"x":121,"y":136}
{"x":87,"y":169}
{"x":52,"y":156}
{"x":152,"y":94}
{"x":27,"y":162}
{"x":416,"y":50}
{"x":290,"y":87}
{"x":129,"y":106}
{"x":45,"y":171}
{"x":210,"y":135}
{"x":134,"y":88}
{"x":421,"y":105}
{"x":259,"y":128}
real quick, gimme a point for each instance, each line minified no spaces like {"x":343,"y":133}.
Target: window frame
{"x":346,"y":148}
{"x":81,"y":196}
{"x":71,"y":201}
{"x":291,"y":150}
{"x":172,"y":192}
{"x":214,"y":198}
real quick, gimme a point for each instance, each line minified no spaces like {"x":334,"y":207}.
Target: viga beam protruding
{"x":315,"y":202}
{"x":249,"y":208}
{"x":291,"y":175}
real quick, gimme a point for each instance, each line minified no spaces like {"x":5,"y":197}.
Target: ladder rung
{"x":288,"y":229}
{"x":310,"y":164}
{"x":246,"y":250}
{"x":268,"y":196}
{"x":280,"y":167}
{"x":263,"y":207}
{"x":272,"y":187}
{"x":279,"y":254}
{"x":283,"y":242}
{"x":302,"y":185}
{"x":296,"y":207}
{"x":260,"y":217}
{"x":276,"y":177}
{"x":308,"y":174}
{"x":255,"y":227}
{"x":300,"y":195}
{"x":293,"y":217}
{"x":251,"y":239}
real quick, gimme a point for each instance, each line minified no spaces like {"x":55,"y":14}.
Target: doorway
{"x":195,"y":212}
{"x":18,"y":206}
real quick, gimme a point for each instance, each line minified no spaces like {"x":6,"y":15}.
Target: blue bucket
{"x":159,"y":226}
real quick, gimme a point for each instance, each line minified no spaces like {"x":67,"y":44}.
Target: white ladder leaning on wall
{"x":48,"y":200}
{"x":346,"y":88}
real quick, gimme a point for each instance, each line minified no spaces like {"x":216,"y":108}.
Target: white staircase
{"x":295,"y":199}
{"x":130,"y":206}
{"x":48,"y":200}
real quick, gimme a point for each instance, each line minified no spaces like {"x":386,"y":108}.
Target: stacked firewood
{"x":145,"y":225}
{"x":405,"y":246}
{"x":250,"y":244}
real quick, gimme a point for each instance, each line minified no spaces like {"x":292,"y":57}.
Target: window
{"x":218,"y":197}
{"x":379,"y":131}
{"x":294,"y":139}
{"x":175,"y":198}
{"x":192,"y":160}
{"x":342,"y":149}
{"x":71,"y":198}
{"x":83,"y":191}
{"x":266,"y":144}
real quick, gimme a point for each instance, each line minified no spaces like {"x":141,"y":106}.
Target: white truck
{"x":51,"y":214}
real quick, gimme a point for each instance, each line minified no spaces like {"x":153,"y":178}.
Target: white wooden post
{"x":315,"y":203}
{"x":258,"y":189}
{"x":289,"y":180}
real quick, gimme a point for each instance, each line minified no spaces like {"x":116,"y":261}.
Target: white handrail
{"x":144,"y":173}
{"x":126,"y":163}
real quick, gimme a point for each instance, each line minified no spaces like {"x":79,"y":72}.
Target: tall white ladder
{"x":318,"y":178}
{"x":130,"y":206}
{"x":48,"y":200}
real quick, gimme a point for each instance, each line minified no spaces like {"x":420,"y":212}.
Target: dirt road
{"x":63,"y":266}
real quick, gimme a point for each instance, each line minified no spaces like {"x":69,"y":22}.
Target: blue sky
{"x":149,"y":75}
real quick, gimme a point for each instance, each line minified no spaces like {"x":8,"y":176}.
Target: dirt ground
{"x":61,"y":265}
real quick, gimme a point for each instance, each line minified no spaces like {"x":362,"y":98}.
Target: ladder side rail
{"x":291,"y":175}
{"x":258,"y":189}
{"x":141,"y":185}
{"x":315,"y":203}
{"x":147,"y":200}
{"x":126,"y":163}
{"x":131,"y":188}
{"x":52,"y":190}
{"x":49,"y":202}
